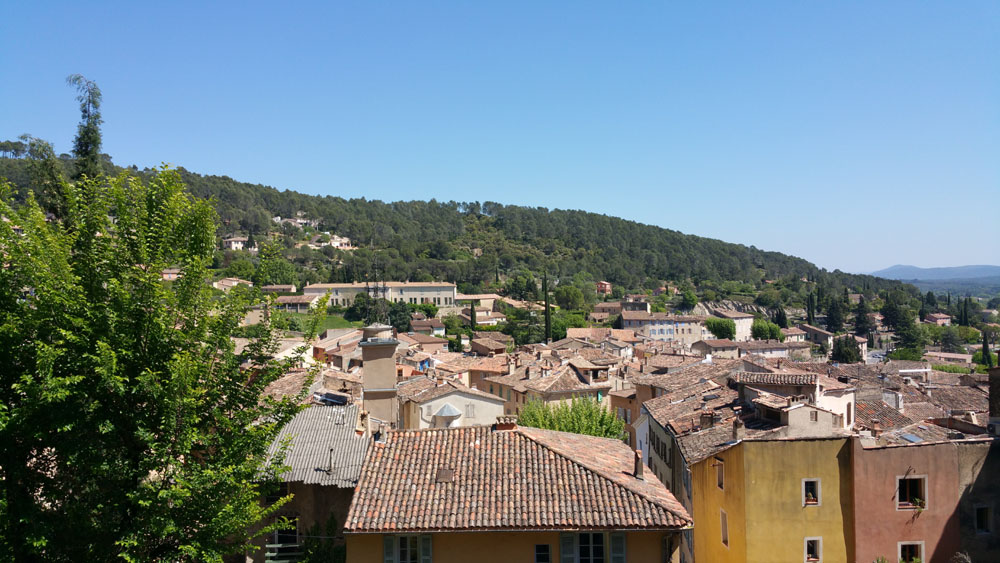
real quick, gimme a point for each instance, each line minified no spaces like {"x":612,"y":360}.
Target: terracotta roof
{"x":718,"y":371}
{"x":718,"y":343}
{"x":762,"y":345}
{"x":888,"y":417}
{"x":793,"y":331}
{"x":296,"y":299}
{"x":958,"y":397}
{"x":815,"y":329}
{"x":435,"y":390}
{"x":775,"y":378}
{"x":521,"y":479}
{"x":697,"y":446}
{"x":728,"y":314}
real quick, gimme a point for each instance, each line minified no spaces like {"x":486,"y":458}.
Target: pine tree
{"x":811,"y":308}
{"x":87,"y":145}
{"x":835,"y":316}
{"x":987,"y":355}
{"x":780,"y":318}
{"x":862,"y":323}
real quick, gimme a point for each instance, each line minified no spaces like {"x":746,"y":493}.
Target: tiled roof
{"x":718,"y":371}
{"x":521,"y":479}
{"x":441,"y":389}
{"x":888,"y":417}
{"x":728,"y":314}
{"x":718,"y":343}
{"x":762,"y":345}
{"x":697,"y":446}
{"x":314,"y":432}
{"x":958,"y":397}
{"x":815,"y":329}
{"x":775,"y":378}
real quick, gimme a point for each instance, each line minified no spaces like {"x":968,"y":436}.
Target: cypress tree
{"x":548,"y":316}
{"x":987,"y":355}
{"x":87,"y":145}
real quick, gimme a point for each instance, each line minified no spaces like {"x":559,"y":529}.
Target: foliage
{"x":129,"y":430}
{"x":274,"y":268}
{"x":453,"y":324}
{"x":780,"y":318}
{"x":989,"y":360}
{"x":399,"y":317}
{"x":87,"y":144}
{"x":835,"y":315}
{"x":721,"y":328}
{"x":522,"y":287}
{"x":319,"y":545}
{"x":430,"y":310}
{"x":862,"y":322}
{"x":240,"y":268}
{"x":911,"y":354}
{"x":688,"y":300}
{"x":950,"y":341}
{"x":563,"y":320}
{"x":950,"y":368}
{"x":455,"y":345}
{"x":846,"y":350}
{"x":764,"y":330}
{"x":569,"y":297}
{"x":582,"y":415}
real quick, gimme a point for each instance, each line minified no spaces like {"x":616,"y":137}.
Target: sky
{"x":857,"y":135}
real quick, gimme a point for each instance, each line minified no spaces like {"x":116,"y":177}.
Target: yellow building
{"x":503,"y":493}
{"x":774,"y":500}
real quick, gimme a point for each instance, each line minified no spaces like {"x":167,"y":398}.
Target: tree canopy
{"x":582,"y":415}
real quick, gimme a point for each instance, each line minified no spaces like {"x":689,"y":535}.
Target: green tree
{"x":846,"y":350}
{"x":240,"y":268}
{"x":582,"y":415}
{"x":399,"y":317}
{"x":548,"y":311}
{"x":931,"y":300}
{"x":721,"y":328}
{"x":569,"y":297}
{"x":987,"y":357}
{"x":764,"y":330}
{"x":129,"y":430}
{"x":862,"y":322}
{"x":780,"y":318}
{"x":835,"y":315}
{"x":688,"y":300}
{"x":274,"y":268}
{"x":951,"y":342}
{"x":811,"y":308}
{"x":87,"y":145}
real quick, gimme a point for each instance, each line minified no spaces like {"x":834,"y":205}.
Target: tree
{"x":780,"y":318}
{"x":931,"y":300}
{"x":569,"y":297}
{"x":274,"y":268}
{"x":688,"y":300}
{"x":985,"y":351}
{"x":765,"y":330}
{"x":87,"y":145}
{"x":721,"y":328}
{"x":811,"y":308}
{"x":399,"y":317}
{"x":862,"y":322}
{"x":240,"y":268}
{"x":129,"y":430}
{"x":583,"y":415}
{"x":911,"y":336}
{"x":846,"y":350}
{"x":951,"y":342}
{"x":835,"y":315}
{"x":894,"y":315}
{"x":548,"y":312}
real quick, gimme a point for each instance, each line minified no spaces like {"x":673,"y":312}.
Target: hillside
{"x":901,"y":272}
{"x":473,"y":243}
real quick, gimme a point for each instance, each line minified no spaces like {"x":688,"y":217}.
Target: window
{"x":720,"y":473}
{"x":813,"y":416}
{"x":470,"y":410}
{"x":984,"y":520}
{"x":814,"y":549}
{"x":591,"y":548}
{"x":911,"y":551}
{"x":911,"y":492}
{"x":811,"y":491}
{"x":543,"y":553}
{"x":284,"y":541}
{"x":724,"y":523}
{"x":849,"y":413}
{"x":406,"y":549}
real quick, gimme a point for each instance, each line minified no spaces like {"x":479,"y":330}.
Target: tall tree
{"x":780,"y":318}
{"x":87,"y":145}
{"x":548,"y":313}
{"x":931,"y":300}
{"x":846,"y":350}
{"x":721,"y":328}
{"x":835,"y":315}
{"x":128,"y":430}
{"x":811,"y":308}
{"x":862,"y":322}
{"x":987,"y":355}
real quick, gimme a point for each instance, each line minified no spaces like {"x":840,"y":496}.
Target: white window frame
{"x":390,"y":547}
{"x":819,"y":491}
{"x":926,"y":500}
{"x":899,"y":549}
{"x":805,"y":549}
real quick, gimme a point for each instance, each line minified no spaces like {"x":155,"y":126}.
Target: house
{"x":484,"y":316}
{"x":487,"y":347}
{"x":550,"y":382}
{"x":612,"y":308}
{"x":325,"y":453}
{"x":234,"y":243}
{"x":765,"y":348}
{"x":504,"y":493}
{"x":487,"y":300}
{"x":431,"y":403}
{"x":278,"y":288}
{"x":433,"y":327}
{"x":343,"y":294}
{"x":424,"y":342}
{"x":717,"y":348}
{"x":603,"y":288}
{"x":939,"y":319}
{"x":297,"y":303}
{"x":225,"y":284}
{"x":818,"y":336}
{"x":743,"y":322}
{"x":171,"y":274}
{"x":683,"y":329}
{"x":964,"y":360}
{"x":794,"y":334}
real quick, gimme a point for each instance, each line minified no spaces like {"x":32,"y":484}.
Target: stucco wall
{"x":503,"y":547}
{"x":979,"y":472}
{"x":485,"y":412}
{"x":312,"y":504}
{"x":880,"y":525}
{"x":708,"y":501}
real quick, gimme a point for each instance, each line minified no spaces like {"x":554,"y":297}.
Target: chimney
{"x":739,"y":430}
{"x":510,"y":366}
{"x":505,"y":423}
{"x":876,"y":428}
{"x":707,"y":418}
{"x":637,"y":472}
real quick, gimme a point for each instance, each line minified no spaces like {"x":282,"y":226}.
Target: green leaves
{"x":582,"y":415}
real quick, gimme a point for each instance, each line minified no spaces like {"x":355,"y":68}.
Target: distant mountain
{"x":900,"y":272}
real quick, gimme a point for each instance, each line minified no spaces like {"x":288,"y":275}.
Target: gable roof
{"x":752,"y":378}
{"x":314,"y":432}
{"x":521,"y":479}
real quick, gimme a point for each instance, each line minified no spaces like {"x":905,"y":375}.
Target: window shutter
{"x":388,"y":549}
{"x":425,"y":548}
{"x":618,"y":547}
{"x":567,"y":548}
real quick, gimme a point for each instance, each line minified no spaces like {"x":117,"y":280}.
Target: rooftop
{"x":325,"y":449}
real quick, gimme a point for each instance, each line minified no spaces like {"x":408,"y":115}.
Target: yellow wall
{"x":777,"y":523}
{"x":501,"y":547}
{"x":707,"y":501}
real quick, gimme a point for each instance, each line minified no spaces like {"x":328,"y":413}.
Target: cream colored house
{"x":342,"y":294}
{"x":427,"y":403}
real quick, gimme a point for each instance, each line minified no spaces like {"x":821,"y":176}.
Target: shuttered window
{"x":407,"y":549}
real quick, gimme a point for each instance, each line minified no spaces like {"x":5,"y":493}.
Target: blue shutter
{"x":425,"y":548}
{"x":388,"y":549}
{"x":618,"y":547}
{"x":567,"y":548}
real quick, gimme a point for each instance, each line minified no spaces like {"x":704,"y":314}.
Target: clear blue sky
{"x":854,"y":134}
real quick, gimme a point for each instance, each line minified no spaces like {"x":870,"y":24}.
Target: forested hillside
{"x":476,"y":243}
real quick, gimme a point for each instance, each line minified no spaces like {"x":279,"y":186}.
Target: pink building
{"x":604,"y":288}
